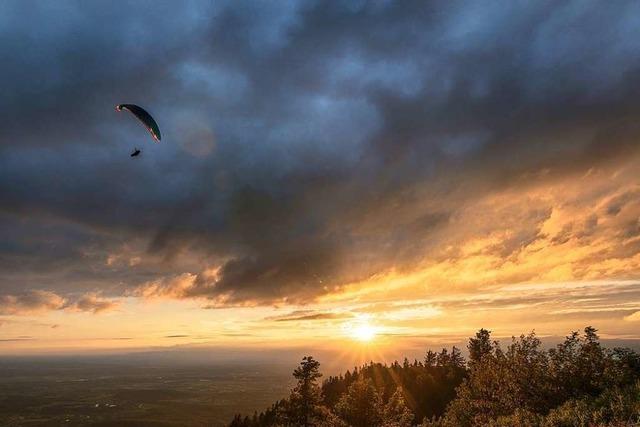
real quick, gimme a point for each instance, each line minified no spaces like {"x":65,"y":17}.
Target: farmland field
{"x":106,"y":393}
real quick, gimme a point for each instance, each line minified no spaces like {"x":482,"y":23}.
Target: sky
{"x":374,"y":173}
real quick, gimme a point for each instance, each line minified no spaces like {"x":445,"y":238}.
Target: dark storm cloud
{"x":305,"y":144}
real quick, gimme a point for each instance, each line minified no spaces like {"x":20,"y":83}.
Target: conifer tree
{"x":361,"y":405}
{"x":304,"y":408}
{"x":396,"y":413}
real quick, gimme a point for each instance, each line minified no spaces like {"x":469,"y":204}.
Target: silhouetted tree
{"x":304,"y":407}
{"x":479,"y":346}
{"x":430,"y":358}
{"x":455,"y":359}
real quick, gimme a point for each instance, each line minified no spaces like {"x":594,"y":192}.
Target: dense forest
{"x":577,"y":383}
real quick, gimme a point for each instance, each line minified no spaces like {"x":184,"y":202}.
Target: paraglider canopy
{"x":144,"y":117}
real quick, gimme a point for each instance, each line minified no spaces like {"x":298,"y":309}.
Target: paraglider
{"x":145,"y":118}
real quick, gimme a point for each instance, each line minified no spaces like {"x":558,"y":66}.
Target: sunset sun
{"x":363,"y":331}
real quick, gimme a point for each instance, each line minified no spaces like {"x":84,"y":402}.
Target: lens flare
{"x":362,"y":331}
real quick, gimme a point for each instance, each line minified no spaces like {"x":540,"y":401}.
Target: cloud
{"x":30,"y":302}
{"x":307,"y":315}
{"x":410,"y":311}
{"x":93,"y":303}
{"x":174,"y":287}
{"x":634,"y":317}
{"x":314,"y":146}
{"x":38,"y":301}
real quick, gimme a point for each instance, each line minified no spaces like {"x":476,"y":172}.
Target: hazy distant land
{"x":104,"y":392}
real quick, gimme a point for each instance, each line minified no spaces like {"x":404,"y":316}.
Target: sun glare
{"x":363,"y":332}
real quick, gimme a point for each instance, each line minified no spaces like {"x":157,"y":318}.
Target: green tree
{"x":578,"y":366}
{"x":500,"y":383}
{"x":577,"y":383}
{"x":455,"y":359}
{"x":396,"y":413}
{"x":480,"y":346}
{"x":304,"y":407}
{"x":361,"y":405}
{"x":430,"y":358}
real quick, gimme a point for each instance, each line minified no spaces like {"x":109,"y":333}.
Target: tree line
{"x":579,"y":382}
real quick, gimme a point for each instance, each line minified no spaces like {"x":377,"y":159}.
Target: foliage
{"x":426,"y":387}
{"x":304,"y":406}
{"x":396,"y":413}
{"x":361,"y":405}
{"x":577,"y":383}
